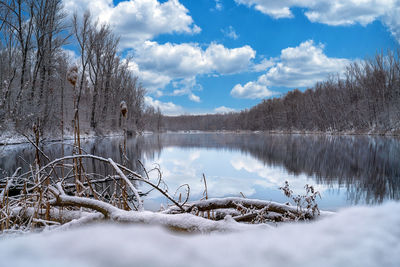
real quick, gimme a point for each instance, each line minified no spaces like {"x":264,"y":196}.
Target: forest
{"x":365,"y":100}
{"x":34,"y":86}
{"x":34,"y":66}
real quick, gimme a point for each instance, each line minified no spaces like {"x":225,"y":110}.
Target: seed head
{"x":72,"y":75}
{"x":124,"y":108}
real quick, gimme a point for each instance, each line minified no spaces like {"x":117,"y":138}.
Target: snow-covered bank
{"x":368,"y":132}
{"x":359,"y":236}
{"x":11,"y":138}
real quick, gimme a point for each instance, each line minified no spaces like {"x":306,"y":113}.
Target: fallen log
{"x":240,"y":203}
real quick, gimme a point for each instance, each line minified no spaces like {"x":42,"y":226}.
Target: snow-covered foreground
{"x":359,"y":236}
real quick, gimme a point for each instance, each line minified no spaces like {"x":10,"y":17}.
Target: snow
{"x":10,"y":138}
{"x":13,"y":138}
{"x":358,"y":236}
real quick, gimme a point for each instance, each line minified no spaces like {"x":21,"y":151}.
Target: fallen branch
{"x":62,"y":200}
{"x":135,"y":192}
{"x":233,"y":202}
{"x":42,"y":201}
{"x":9,"y":184}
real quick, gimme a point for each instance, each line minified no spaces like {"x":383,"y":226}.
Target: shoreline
{"x":296,"y":132}
{"x":16,"y":139}
{"x":20,"y":139}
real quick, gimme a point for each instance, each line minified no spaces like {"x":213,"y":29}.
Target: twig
{"x":41,"y":152}
{"x":135,"y":192}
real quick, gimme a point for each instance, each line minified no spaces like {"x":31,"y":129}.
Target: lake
{"x":346,"y":170}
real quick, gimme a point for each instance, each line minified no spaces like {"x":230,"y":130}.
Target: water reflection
{"x":348,"y":169}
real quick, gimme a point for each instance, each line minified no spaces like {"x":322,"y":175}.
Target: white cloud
{"x":263,"y":65}
{"x":159,"y":64}
{"x":96,"y":7}
{"x":230,"y":33}
{"x":347,"y":12}
{"x":273,"y":8}
{"x":194,"y":98}
{"x":138,"y":20}
{"x":253,"y":90}
{"x":218,"y":5}
{"x":338,"y":12}
{"x":303,"y":66}
{"x":392,"y":20}
{"x":167,"y":108}
{"x":185,"y":87}
{"x":150,"y":80}
{"x":72,"y":56}
{"x":223,"y":109}
{"x":299,"y":66}
{"x":187,"y":60}
{"x":228,"y":61}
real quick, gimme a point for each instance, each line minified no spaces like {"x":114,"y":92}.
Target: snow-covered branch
{"x":41,"y":198}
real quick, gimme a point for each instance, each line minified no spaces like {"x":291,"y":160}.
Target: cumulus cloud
{"x":223,"y":109}
{"x":392,"y":20}
{"x":167,"y":108}
{"x":230,"y":33}
{"x":72,"y":56}
{"x":138,"y":20}
{"x":299,"y":66}
{"x":339,"y":12}
{"x":263,"y":65}
{"x":194,"y":98}
{"x":275,"y":9}
{"x":303,"y":66}
{"x":159,"y":64}
{"x":150,"y":80}
{"x":185,"y":87}
{"x":252,"y":90}
{"x":188,"y":59}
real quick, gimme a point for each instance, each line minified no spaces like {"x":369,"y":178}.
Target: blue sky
{"x":207,"y":56}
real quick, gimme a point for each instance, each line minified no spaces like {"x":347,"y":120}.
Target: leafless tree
{"x":366,"y":100}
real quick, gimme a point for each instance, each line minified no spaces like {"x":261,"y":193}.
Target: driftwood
{"x":236,"y":202}
{"x":244,"y":209}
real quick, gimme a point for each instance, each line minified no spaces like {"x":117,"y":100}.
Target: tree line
{"x":34,"y":89}
{"x":34,"y":66}
{"x":365,"y":99}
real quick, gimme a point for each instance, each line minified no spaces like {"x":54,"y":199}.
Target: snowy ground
{"x":359,"y":236}
{"x":12,"y":138}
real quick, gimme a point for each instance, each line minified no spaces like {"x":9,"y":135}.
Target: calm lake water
{"x":346,"y":170}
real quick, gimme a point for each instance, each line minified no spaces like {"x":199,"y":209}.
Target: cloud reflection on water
{"x":227,"y":172}
{"x":347,"y":170}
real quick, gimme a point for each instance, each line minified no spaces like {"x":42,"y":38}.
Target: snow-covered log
{"x":241,"y":203}
{"x":55,"y":214}
{"x":181,"y":222}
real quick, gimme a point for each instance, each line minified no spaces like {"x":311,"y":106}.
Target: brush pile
{"x":62,"y":194}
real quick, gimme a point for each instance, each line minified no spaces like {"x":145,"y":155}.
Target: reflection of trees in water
{"x":13,"y":157}
{"x":23,"y":155}
{"x":367,"y":166}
